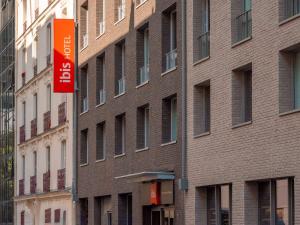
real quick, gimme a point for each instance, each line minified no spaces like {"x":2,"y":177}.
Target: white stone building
{"x":43,"y":171}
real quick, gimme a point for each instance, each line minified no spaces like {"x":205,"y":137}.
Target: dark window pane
{"x":225,"y":205}
{"x":211,"y":206}
{"x":264,"y":203}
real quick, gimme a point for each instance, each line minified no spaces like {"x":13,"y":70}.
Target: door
{"x":155,"y":217}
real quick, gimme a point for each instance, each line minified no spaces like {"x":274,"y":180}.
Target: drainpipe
{"x":75,"y":99}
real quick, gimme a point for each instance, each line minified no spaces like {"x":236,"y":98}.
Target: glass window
{"x":225,"y":205}
{"x":63,"y":154}
{"x":297,"y":81}
{"x":35,"y":163}
{"x":247,"y":5}
{"x":173,"y":119}
{"x":49,"y":98}
{"x":48,"y":158}
{"x":282,"y":202}
{"x":211,"y":206}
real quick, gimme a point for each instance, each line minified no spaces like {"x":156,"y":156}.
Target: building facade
{"x":7,"y":60}
{"x":43,"y":173}
{"x":129,"y":151}
{"x":243,"y":112}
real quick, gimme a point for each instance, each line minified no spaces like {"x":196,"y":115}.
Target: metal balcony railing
{"x":23,"y":78}
{"x":33,"y":128}
{"x":47,"y":121}
{"x":85,"y":40}
{"x":35,"y":67}
{"x":102,"y":96}
{"x":21,"y":187}
{"x":46,"y":182}
{"x":171,"y":58}
{"x":121,"y":86}
{"x":144,"y":74}
{"x":22,"y":134}
{"x":61,"y":179}
{"x":244,"y":25}
{"x":33,"y":185}
{"x":204,"y":45}
{"x":121,"y":12}
{"x":292,"y":8}
{"x":49,"y":59}
{"x":101,"y":27}
{"x":62,"y":116}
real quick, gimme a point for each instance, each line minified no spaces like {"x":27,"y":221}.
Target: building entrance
{"x":162,"y":216}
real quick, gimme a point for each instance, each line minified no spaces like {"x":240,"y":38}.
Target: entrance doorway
{"x":162,"y":216}
{"x":155,"y":217}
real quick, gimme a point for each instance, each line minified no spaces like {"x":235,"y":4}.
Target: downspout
{"x":184,"y":178}
{"x":75,"y":143}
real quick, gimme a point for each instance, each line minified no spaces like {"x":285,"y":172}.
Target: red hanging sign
{"x":155,"y":193}
{"x":64,"y":55}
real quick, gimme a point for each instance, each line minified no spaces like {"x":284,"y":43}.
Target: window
{"x":214,"y":205}
{"x":119,"y":10}
{"x":289,"y":80}
{"x":34,"y":55}
{"x":35,"y":163}
{"x":24,"y":61}
{"x":103,"y":208}
{"x":125,"y":209}
{"x":48,"y":159}
{"x":120,"y":134}
{"x":101,"y":92}
{"x":169,"y":39}
{"x":120,"y":68}
{"x":84,"y":12}
{"x":84,"y":89}
{"x":139,"y":2}
{"x":143,"y":127}
{"x":202,"y":108}
{"x":84,"y":211}
{"x":49,"y":44}
{"x":100,"y":16}
{"x":35,"y":106}
{"x":63,"y":155}
{"x":288,"y":8}
{"x":143,"y":55}
{"x":24,"y":15}
{"x":24,"y":114}
{"x":281,"y":192}
{"x":84,"y":147}
{"x":64,"y":220}
{"x":48,"y":97}
{"x":22,"y":218}
{"x":23,"y":167}
{"x":241,"y":20}
{"x":201,"y":29}
{"x":242,"y":95}
{"x":169,"y":120}
{"x":100,"y":132}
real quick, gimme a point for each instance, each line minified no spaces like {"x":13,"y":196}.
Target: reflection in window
{"x":282,"y":202}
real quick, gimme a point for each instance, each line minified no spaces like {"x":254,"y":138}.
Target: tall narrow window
{"x":49,"y":43}
{"x":120,"y":134}
{"x":120,"y":68}
{"x":202,"y":108}
{"x":48,"y":159}
{"x":84,"y":211}
{"x":63,"y":155}
{"x":143,"y":55}
{"x":242,"y":95}
{"x":288,"y":8}
{"x":100,"y":145}
{"x":201,"y":29}
{"x":34,"y":163}
{"x":48,"y":97}
{"x":169,"y":41}
{"x":169,"y":120}
{"x":101,"y":92}
{"x":119,"y":10}
{"x":84,"y":12}
{"x":24,"y":61}
{"x":103,"y":207}
{"x":24,"y":15}
{"x":125,"y":209}
{"x":34,"y":55}
{"x":84,"y":89}
{"x":143,"y":127}
{"x":24,"y":113}
{"x":84,"y":147}
{"x":297,"y":80}
{"x":100,"y":16}
{"x":35,"y":106}
{"x":23,"y":167}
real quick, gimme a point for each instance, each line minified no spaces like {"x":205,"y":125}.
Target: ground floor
{"x":48,"y":210}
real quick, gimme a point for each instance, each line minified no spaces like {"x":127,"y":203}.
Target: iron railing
{"x":33,"y":185}
{"x":21,"y":187}
{"x":49,"y":59}
{"x":47,"y":121}
{"x":61,"y":179}
{"x":22,"y":134}
{"x":244,"y":25}
{"x":33,"y":128}
{"x":46,"y":182}
{"x":62,"y":118}
{"x":204,"y":45}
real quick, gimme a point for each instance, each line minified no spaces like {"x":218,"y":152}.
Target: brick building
{"x":243,"y":112}
{"x":129,"y":155}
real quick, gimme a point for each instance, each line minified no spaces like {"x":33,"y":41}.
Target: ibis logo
{"x":63,"y":56}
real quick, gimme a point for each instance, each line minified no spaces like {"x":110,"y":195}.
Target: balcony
{"x":144,"y":74}
{"x":85,"y":40}
{"x":121,"y":86}
{"x":102,"y":96}
{"x":46,"y":182}
{"x":49,"y":59}
{"x":33,"y":185}
{"x":292,"y":8}
{"x":47,"y":121}
{"x":204,"y":45}
{"x":61,"y":179}
{"x":101,"y":27}
{"x":22,"y":134}
{"x":23,"y":78}
{"x":121,"y":12}
{"x":33,"y":128}
{"x":62,"y":118}
{"x":244,"y":26}
{"x":21,"y":187}
{"x":35,"y":67}
{"x":171,"y":58}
